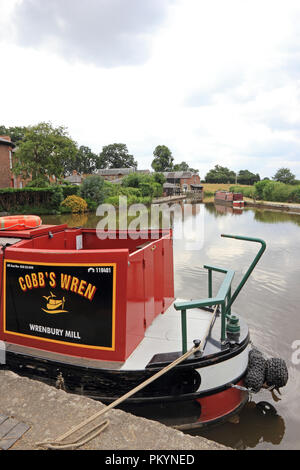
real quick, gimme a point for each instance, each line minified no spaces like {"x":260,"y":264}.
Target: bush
{"x":278,"y":192}
{"x":75,"y":204}
{"x":296,"y":194}
{"x":147,"y":189}
{"x":70,"y":190}
{"x":109,"y":189}
{"x":246,"y":191}
{"x":93,"y":188}
{"x":57,"y":197}
{"x":131,"y":199}
{"x":260,"y":188}
{"x":135,"y":192}
{"x":157,"y":190}
{"x":113,"y":200}
{"x":92,"y":205}
{"x":150,"y":185}
{"x":133,"y":180}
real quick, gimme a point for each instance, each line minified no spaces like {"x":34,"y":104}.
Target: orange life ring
{"x":20,"y":222}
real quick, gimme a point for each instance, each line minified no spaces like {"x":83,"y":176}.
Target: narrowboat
{"x":97,"y":317}
{"x":236,"y":200}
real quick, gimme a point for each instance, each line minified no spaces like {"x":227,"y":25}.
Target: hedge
{"x":273,"y":191}
{"x":11,"y":199}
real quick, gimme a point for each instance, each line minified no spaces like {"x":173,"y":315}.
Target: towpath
{"x":283,"y":206}
{"x":50,"y":412}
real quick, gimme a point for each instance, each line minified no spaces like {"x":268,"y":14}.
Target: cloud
{"x":106,"y":33}
{"x":217,"y":82}
{"x":274,"y":148}
{"x":281,"y":123}
{"x":197,"y":99}
{"x":227,"y":83}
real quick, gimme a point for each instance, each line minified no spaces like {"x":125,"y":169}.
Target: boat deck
{"x":164,"y":336}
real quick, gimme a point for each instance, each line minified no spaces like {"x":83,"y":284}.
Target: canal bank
{"x":50,"y":412}
{"x":168,"y":199}
{"x":280,"y":206}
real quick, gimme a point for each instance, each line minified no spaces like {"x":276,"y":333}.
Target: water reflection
{"x":222,"y":209}
{"x":266,"y":428}
{"x":274,"y":217}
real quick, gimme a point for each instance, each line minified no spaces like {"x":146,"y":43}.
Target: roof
{"x":178,"y":174}
{"x":6,"y":142}
{"x":120,"y":171}
{"x":116,"y":171}
{"x":75,"y":179}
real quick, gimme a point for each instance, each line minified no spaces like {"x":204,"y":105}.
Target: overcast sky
{"x":217,"y":81}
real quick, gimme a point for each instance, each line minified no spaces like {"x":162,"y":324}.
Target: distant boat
{"x":230,"y":198}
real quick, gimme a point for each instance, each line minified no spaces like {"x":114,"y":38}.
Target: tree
{"x":45,"y":151}
{"x":116,"y":156}
{"x":85,"y":162}
{"x":159,"y":178}
{"x":284,"y":175}
{"x":41,"y":182}
{"x":134,"y":180}
{"x":183,"y":166}
{"x":163,"y":160}
{"x":149,"y":184}
{"x":16,"y":134}
{"x":246,"y":177}
{"x":220,"y":174}
{"x":92,"y":189}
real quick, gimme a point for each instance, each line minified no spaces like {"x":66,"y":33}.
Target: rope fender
{"x":261,"y":372}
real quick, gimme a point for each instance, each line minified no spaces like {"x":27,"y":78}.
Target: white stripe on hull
{"x":224,"y":372}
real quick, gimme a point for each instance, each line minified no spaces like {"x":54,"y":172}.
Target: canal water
{"x":269,"y":302}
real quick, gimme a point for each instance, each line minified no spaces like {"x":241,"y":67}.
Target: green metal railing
{"x":224,"y":297}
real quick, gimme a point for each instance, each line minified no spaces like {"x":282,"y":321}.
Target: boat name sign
{"x":75,"y":304}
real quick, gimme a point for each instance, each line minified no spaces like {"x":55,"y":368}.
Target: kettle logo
{"x":54,"y":305}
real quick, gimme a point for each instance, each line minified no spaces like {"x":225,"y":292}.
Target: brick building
{"x":115,"y":175}
{"x":181,"y":182}
{"x":7,"y":177}
{"x":75,"y":178}
{"x":6,"y":174}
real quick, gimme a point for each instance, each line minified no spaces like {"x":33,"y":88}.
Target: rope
{"x":96,"y":430}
